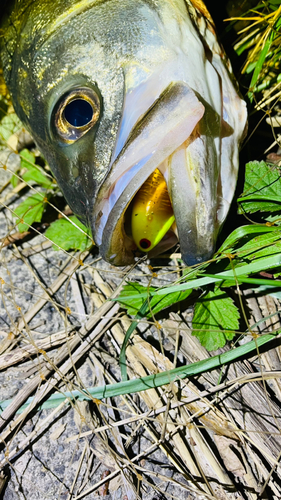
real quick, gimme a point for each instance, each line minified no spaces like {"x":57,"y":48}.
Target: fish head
{"x":112,"y":91}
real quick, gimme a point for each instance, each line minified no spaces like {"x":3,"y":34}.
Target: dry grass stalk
{"x":143,"y":358}
{"x":26,"y":351}
{"x":186,"y":420}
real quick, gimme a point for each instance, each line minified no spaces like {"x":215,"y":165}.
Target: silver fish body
{"x":161,"y":96}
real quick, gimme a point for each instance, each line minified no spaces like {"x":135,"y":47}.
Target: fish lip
{"x":164,"y":128}
{"x":211,"y":151}
{"x":197,"y":251}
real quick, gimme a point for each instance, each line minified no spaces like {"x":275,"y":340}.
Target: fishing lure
{"x":152,"y":212}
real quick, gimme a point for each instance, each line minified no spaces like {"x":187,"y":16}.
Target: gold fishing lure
{"x":152,"y":213}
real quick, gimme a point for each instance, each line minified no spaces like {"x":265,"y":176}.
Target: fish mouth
{"x":145,"y":226}
{"x":169,"y":139}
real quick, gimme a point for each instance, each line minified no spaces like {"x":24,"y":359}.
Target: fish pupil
{"x":78,"y":112}
{"x":144,"y":243}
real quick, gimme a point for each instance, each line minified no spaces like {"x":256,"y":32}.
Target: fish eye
{"x":76,"y":113}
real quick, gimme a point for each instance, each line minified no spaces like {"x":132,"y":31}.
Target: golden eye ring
{"x":76,"y":114}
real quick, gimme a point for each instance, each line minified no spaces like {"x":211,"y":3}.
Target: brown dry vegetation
{"x":216,"y":436}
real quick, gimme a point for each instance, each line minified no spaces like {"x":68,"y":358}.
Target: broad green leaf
{"x":14,"y":181}
{"x":33,"y":174}
{"x":262,"y":189}
{"x":67,"y":236}
{"x":157,"y":304}
{"x":9,"y":125}
{"x":133,"y":305}
{"x":261,"y":246}
{"x":29,"y":211}
{"x":215,"y":320}
{"x":233,"y":241}
{"x":27,"y":159}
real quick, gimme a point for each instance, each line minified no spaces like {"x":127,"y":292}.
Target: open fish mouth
{"x":184,"y":145}
{"x":149,"y":223}
{"x":161,"y":163}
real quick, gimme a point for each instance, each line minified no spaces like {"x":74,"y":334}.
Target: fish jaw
{"x":182,"y":138}
{"x":195,"y":148}
{"x":165,"y":127}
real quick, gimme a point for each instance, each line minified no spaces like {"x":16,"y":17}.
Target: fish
{"x":118,"y":93}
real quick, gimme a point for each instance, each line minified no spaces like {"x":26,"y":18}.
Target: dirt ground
{"x":214,"y":436}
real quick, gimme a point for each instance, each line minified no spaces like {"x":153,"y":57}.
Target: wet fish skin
{"x":42,"y":68}
{"x":166,"y":98}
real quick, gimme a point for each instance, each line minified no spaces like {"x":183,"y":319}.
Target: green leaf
{"x":260,"y":62}
{"x":33,"y":174}
{"x":249,"y":244}
{"x":133,"y":325}
{"x":262,"y":189}
{"x":27,"y":159}
{"x":14,"y":180}
{"x":276,"y":3}
{"x":272,"y":219}
{"x":271,"y":262}
{"x":9,"y":125}
{"x":240,"y":47}
{"x":215,"y":320}
{"x":157,"y":304}
{"x":243,"y":232}
{"x":29,"y":211}
{"x":67,"y":236}
{"x":133,"y":305}
{"x":253,"y":245}
{"x":261,"y":246}
{"x":143,"y":306}
{"x":270,"y":283}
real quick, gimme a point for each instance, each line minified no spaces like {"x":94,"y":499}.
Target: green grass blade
{"x":243,"y":231}
{"x":244,"y":279}
{"x":155,"y":380}
{"x":253,"y":267}
{"x":122,"y":358}
{"x":261,"y":197}
{"x":260,"y":63}
{"x":257,"y":266}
